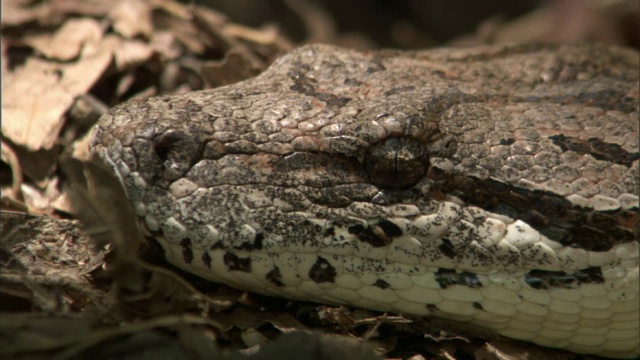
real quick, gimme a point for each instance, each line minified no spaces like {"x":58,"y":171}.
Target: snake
{"x":495,"y":186}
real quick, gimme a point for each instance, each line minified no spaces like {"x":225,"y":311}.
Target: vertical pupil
{"x":396,"y":163}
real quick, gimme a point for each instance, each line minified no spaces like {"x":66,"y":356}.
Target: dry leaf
{"x":33,"y":104}
{"x":41,"y":92}
{"x":67,"y":43}
{"x":132,"y":18}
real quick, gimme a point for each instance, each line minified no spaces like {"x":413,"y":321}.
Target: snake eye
{"x":396,"y":163}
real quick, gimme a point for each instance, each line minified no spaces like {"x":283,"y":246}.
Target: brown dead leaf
{"x":132,"y":18}
{"x":92,"y":8}
{"x":38,"y":200}
{"x":416,"y":357}
{"x":80,"y":76}
{"x":266,"y":35}
{"x":5,"y":73}
{"x":252,"y":337}
{"x":179,"y":10}
{"x":188,"y":35}
{"x":165,"y":44}
{"x":38,"y":165}
{"x":560,"y":21}
{"x":17,"y":12}
{"x":63,"y":202}
{"x":320,"y":26}
{"x":128,"y":54}
{"x":9,"y":156}
{"x":33,"y":104}
{"x":41,"y":92}
{"x":233,"y":68}
{"x":67,"y":43}
{"x":490,"y":352}
{"x":205,"y":21}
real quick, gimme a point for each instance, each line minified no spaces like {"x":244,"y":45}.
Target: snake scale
{"x":496,"y":185}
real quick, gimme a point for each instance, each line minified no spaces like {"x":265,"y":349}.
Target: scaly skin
{"x":494,"y":185}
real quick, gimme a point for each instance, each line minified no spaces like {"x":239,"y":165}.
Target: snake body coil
{"x":496,"y":185}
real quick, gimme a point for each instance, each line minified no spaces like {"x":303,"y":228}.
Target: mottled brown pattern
{"x":486,"y":185}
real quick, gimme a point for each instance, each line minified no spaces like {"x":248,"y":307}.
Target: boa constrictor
{"x":495,"y":185}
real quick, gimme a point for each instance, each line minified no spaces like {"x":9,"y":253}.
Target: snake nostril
{"x":178,"y":151}
{"x":396,"y":163}
{"x":164,"y":143}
